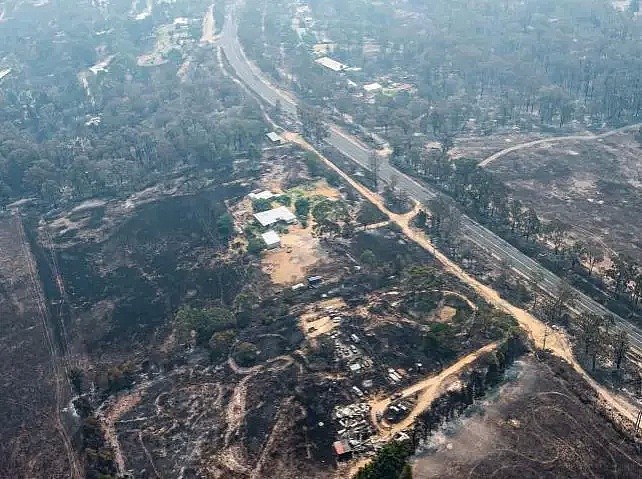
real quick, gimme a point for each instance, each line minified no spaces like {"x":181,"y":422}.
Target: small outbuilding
{"x":341,"y":448}
{"x":262,"y":195}
{"x":275,"y":138}
{"x":372,"y":87}
{"x":271,"y":239}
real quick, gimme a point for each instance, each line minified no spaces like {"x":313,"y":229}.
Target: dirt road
{"x":427,"y":389}
{"x":537,"y":330}
{"x":209,"y":27}
{"x":545,"y":141}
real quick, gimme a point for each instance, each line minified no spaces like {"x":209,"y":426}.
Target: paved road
{"x":360,"y":153}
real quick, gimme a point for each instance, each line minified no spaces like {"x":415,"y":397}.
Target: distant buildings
{"x":4,"y":73}
{"x":280,"y":214}
{"x":323,"y":48}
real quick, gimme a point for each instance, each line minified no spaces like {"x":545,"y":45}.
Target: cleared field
{"x":544,"y":423}
{"x":595,"y":186}
{"x":32,"y":444}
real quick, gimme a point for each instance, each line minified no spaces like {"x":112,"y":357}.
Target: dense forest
{"x":531,"y":64}
{"x":81,"y":117}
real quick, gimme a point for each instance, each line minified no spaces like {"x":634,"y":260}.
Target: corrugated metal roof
{"x":271,"y":238}
{"x":267,"y":218}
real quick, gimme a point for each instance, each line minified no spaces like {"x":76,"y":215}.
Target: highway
{"x":360,"y":153}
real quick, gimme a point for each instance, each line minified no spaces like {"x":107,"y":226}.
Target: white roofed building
{"x":263,"y":195}
{"x":270,"y":217}
{"x":275,"y":138}
{"x":271,"y":239}
{"x":372,"y":87}
{"x":331,"y":64}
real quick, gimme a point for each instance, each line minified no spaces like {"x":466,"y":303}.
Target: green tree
{"x":302,"y":207}
{"x":246,"y":354}
{"x":421,"y":219}
{"x":202,"y":323}
{"x":284,"y":200}
{"x":220,"y":344}
{"x":368,"y":258}
{"x":261,"y":204}
{"x":389,"y":463}
{"x":255,"y":245}
{"x":225,"y":226}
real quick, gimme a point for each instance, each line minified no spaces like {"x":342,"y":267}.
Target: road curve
{"x":545,"y":141}
{"x":359,"y":153}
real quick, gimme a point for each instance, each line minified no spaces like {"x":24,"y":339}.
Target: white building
{"x":331,"y":64}
{"x":270,"y":217}
{"x":275,"y":138}
{"x":372,"y":87}
{"x":271,"y":239}
{"x":263,"y":195}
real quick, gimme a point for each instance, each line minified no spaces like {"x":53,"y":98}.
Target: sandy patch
{"x":290,"y":263}
{"x":317,"y":320}
{"x":322,"y":188}
{"x":446,"y":313}
{"x":209,"y":26}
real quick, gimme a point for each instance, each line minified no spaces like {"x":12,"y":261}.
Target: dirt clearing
{"x":427,"y":390}
{"x":209,"y":27}
{"x":298,"y":253}
{"x":317,"y":320}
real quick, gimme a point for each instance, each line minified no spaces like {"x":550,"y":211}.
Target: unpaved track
{"x":537,"y":330}
{"x":109,"y":418}
{"x":58,"y":360}
{"x":555,"y":341}
{"x":545,"y":141}
{"x":428,"y":390}
{"x":209,"y":26}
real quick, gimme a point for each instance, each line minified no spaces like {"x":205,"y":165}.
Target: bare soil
{"x":542,"y":424}
{"x":316,"y":320}
{"x":32,"y":443}
{"x":595,"y":186}
{"x":298,"y":253}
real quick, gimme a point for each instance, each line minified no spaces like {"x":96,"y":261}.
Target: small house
{"x":342,"y":448}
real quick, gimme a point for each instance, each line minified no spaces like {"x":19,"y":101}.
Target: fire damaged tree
{"x":555,"y":307}
{"x":594,"y":337}
{"x":488,"y":373}
{"x":620,"y":346}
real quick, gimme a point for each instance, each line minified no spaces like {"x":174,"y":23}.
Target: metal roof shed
{"x":268,"y":218}
{"x":271,"y":239}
